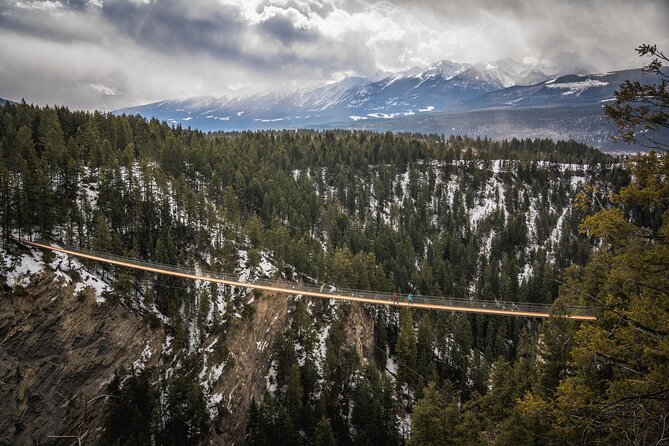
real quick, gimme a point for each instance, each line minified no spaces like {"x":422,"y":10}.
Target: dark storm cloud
{"x":164,"y":48}
{"x":111,"y":53}
{"x":169,"y":26}
{"x":36,"y":23}
{"x":219,"y":31}
{"x":284,"y":30}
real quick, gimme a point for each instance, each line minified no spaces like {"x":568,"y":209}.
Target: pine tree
{"x":640,"y":110}
{"x":617,"y":390}
{"x":132,"y":411}
{"x":433,"y":422}
{"x":323,"y":436}
{"x":374,"y":409}
{"x":101,"y":241}
{"x":186,"y":415}
{"x":231,"y":206}
{"x":425,"y":351}
{"x":7,"y":217}
{"x":556,"y":342}
{"x":406,"y":350}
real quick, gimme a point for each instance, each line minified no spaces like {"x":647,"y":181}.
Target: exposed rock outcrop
{"x":58,"y":351}
{"x":250,"y":347}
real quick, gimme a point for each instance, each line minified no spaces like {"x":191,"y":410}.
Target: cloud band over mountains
{"x":112,"y":53}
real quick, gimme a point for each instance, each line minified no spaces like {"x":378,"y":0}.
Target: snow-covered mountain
{"x":436,"y":87}
{"x":442,"y":87}
{"x":569,"y":90}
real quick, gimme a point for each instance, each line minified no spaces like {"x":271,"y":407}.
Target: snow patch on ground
{"x":266,"y":268}
{"x":531,"y":220}
{"x":93,"y":282}
{"x":212,"y":403}
{"x":321,"y":348}
{"x":487,"y":204}
{"x":21,"y":269}
{"x":140,"y":363}
{"x":242,"y":265}
{"x":556,"y":234}
{"x":525,"y":274}
{"x":391,"y":365}
{"x":271,"y":378}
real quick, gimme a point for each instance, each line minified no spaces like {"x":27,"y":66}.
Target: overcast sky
{"x":107,"y":54}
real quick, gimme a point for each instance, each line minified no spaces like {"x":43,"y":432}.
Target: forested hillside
{"x":408,"y":213}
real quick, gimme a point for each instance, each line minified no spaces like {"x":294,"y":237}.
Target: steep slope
{"x":273,"y":109}
{"x":58,"y":351}
{"x":250,"y":347}
{"x":459,"y":217}
{"x":533,"y":77}
{"x":62,"y":344}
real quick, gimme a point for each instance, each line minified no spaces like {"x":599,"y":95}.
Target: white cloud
{"x":39,"y":5}
{"x":103,"y":89}
{"x":154,"y":50}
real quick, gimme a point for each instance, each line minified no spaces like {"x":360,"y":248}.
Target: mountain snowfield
{"x":410,"y":98}
{"x":410,"y":91}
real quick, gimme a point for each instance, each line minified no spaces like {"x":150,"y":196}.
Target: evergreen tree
{"x":132,"y":413}
{"x":616,"y":391}
{"x":186,"y":416}
{"x":425,"y":365}
{"x":406,"y":350}
{"x":323,"y":436}
{"x":434,"y":420}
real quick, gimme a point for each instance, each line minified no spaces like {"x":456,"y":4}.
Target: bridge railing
{"x":530,"y":307}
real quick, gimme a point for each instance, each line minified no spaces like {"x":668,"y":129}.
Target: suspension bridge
{"x":502,"y":308}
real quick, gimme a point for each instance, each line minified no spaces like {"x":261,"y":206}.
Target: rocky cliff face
{"x":58,"y":351}
{"x":250,"y":345}
{"x":250,"y":348}
{"x":360,"y":331}
{"x":60,"y":347}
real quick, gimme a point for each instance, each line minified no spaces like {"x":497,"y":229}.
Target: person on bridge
{"x":410,"y":298}
{"x":395,"y":297}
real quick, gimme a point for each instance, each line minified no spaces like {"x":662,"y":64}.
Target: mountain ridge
{"x":440,"y":89}
{"x":389,"y":93}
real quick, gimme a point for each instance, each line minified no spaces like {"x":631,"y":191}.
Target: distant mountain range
{"x":422,"y":100}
